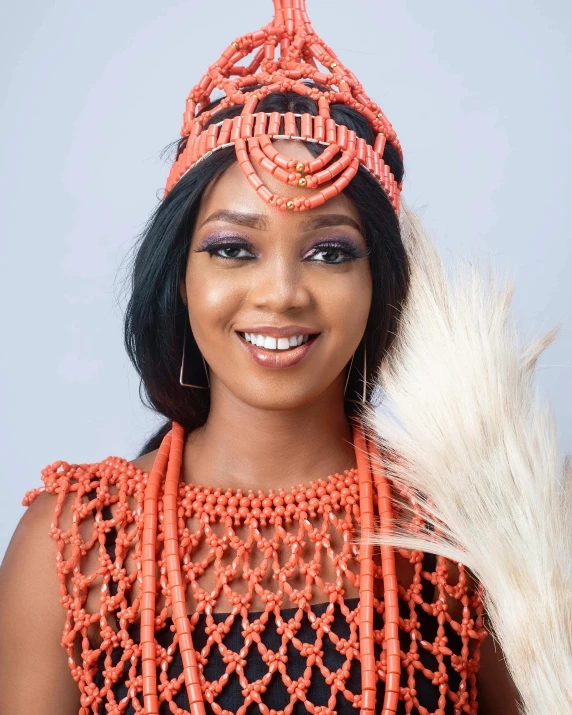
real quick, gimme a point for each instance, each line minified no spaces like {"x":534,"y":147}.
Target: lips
{"x":278,"y":359}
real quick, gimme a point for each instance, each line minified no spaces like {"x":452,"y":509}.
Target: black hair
{"x":155,"y":315}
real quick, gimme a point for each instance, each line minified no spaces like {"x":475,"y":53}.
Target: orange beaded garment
{"x":184,"y":553}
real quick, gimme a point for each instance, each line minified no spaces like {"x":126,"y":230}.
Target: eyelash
{"x":349,"y":253}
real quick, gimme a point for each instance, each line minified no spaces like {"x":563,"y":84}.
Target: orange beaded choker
{"x":167,"y":469}
{"x":301,"y":53}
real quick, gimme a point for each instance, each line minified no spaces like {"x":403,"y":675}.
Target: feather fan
{"x":461,"y":423}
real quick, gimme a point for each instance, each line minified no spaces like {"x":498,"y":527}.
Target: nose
{"x":280,"y":284}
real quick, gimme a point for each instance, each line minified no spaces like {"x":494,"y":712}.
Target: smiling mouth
{"x":274,"y":345}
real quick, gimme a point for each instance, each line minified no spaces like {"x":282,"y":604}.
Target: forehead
{"x":232,"y":191}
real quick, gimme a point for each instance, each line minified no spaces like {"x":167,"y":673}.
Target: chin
{"x":282,"y":399}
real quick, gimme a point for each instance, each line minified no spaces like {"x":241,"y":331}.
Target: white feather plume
{"x":461,"y":422}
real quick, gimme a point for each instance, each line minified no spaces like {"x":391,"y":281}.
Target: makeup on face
{"x":217,"y":243}
{"x":264,"y":348}
{"x":272,"y":346}
{"x":276,"y":290}
{"x":277,"y":347}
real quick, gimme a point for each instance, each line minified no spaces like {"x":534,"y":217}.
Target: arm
{"x":34,"y":676}
{"x":497,"y":693}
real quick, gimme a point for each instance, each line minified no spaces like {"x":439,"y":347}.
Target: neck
{"x":241,"y":446}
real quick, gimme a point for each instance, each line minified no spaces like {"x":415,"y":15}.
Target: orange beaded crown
{"x":251,"y":132}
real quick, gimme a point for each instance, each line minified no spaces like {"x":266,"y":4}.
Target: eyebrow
{"x":326,"y":220}
{"x":238,"y":217}
{"x":258,"y":221}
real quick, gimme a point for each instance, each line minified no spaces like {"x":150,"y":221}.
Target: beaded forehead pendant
{"x":288,"y":55}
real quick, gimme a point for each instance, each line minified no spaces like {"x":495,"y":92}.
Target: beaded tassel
{"x":148,"y":586}
{"x":301,"y":53}
{"x":393,"y":669}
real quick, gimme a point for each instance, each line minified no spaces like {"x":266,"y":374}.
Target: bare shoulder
{"x":146,"y":461}
{"x":35,"y":676}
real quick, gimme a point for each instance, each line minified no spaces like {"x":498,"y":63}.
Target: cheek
{"x":212,"y":299}
{"x":346,"y":302}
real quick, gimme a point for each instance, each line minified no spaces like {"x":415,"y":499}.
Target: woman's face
{"x":276,"y":276}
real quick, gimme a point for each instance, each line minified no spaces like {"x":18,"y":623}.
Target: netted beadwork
{"x":285,"y":56}
{"x":253,"y":564}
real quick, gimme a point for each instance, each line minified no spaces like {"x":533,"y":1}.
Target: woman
{"x":257,"y":333}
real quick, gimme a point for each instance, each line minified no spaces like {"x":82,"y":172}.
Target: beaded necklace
{"x":167,"y":468}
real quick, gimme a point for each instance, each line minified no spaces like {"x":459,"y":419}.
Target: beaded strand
{"x":391,"y":628}
{"x":148,"y":585}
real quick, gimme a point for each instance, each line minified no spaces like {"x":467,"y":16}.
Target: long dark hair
{"x":155,"y":315}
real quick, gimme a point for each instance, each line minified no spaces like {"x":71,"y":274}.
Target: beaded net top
{"x":285,"y":55}
{"x":254,"y":564}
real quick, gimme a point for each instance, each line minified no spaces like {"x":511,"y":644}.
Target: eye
{"x":335,"y":253}
{"x":235,"y":251}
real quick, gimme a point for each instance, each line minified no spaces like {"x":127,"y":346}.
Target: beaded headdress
{"x":288,"y":56}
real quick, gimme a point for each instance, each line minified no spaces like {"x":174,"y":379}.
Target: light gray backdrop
{"x":478,"y":92}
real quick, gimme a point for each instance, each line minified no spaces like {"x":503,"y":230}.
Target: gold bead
{"x":290,"y":205}
{"x":235,"y":45}
{"x":333,"y":65}
{"x":302,"y":181}
{"x":380,"y":115}
{"x":299,"y":166}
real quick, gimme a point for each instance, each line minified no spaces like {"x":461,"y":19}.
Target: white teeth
{"x":271,"y":343}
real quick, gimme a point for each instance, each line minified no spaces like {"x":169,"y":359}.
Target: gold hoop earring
{"x":348,"y":375}
{"x":181,"y":373}
{"x":364,"y":376}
